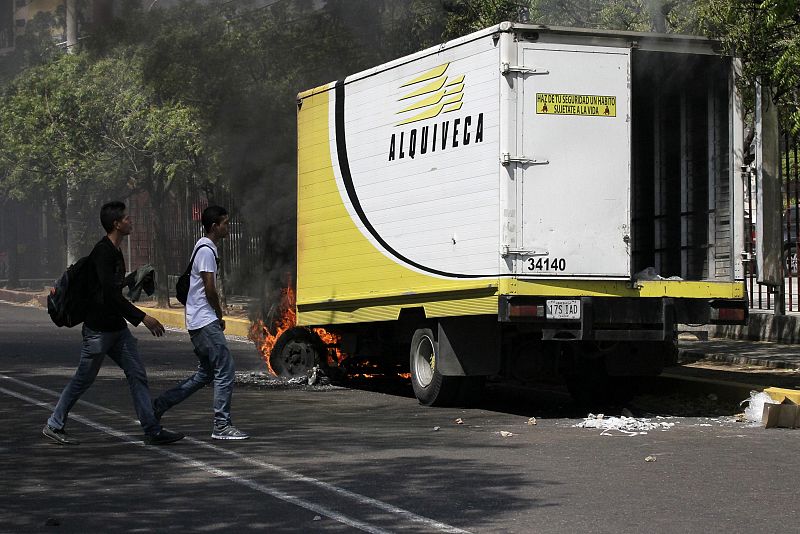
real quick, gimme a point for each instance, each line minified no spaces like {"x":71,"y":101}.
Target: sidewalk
{"x":236,"y":324}
{"x":741,"y":352}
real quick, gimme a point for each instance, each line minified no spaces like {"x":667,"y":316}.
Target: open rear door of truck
{"x":574,"y":195}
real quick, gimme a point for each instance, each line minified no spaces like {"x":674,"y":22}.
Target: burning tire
{"x":430,"y":387}
{"x":296,"y":352}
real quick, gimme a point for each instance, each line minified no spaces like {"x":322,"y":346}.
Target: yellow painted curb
{"x":780,"y":394}
{"x":175,"y":319}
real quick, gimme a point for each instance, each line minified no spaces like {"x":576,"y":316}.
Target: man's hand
{"x":222,"y":323}
{"x":152,"y":324}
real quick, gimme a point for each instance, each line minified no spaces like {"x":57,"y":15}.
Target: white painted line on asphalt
{"x":361,"y":499}
{"x":354,"y":523}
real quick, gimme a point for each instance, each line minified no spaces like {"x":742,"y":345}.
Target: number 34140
{"x":546,"y":264}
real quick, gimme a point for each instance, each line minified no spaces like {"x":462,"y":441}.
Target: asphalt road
{"x":342,"y":460}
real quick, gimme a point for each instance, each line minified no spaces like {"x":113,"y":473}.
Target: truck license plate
{"x":563,"y":309}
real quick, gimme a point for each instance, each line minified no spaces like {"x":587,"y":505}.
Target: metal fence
{"x":183,"y":227}
{"x":762,"y":297}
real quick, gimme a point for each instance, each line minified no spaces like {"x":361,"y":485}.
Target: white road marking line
{"x":361,"y":499}
{"x":222,"y":473}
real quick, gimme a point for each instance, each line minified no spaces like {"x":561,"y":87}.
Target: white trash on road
{"x":631,"y":426}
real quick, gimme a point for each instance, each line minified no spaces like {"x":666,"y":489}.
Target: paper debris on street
{"x":631,"y":426}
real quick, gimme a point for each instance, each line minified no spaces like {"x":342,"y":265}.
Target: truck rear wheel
{"x":430,"y":387}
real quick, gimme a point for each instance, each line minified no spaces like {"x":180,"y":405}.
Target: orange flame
{"x":265,"y":336}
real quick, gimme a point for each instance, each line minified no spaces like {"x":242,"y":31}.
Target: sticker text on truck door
{"x":566,"y":104}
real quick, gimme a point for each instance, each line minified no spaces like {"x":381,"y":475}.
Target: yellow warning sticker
{"x":586,"y":105}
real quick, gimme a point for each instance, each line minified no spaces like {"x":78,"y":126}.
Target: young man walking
{"x":106,"y":333}
{"x":206,"y":325}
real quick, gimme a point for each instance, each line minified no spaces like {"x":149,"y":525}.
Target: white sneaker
{"x":229,"y":432}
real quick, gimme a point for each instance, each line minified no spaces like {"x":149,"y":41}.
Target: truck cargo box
{"x":521,"y":160}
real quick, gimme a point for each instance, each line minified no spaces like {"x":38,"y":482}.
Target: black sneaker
{"x":229,"y":432}
{"x":163,"y":437}
{"x":59,"y":436}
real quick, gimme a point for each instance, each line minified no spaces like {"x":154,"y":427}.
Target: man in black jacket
{"x":105,"y":332}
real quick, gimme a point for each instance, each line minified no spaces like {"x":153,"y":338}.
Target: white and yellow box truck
{"x":522,"y":200}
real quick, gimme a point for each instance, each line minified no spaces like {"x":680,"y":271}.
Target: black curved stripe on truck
{"x":347,"y":178}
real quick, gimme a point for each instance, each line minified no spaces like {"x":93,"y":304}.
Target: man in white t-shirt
{"x":206,"y":325}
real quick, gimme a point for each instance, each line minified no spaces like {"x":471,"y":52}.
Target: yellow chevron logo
{"x":432,"y":93}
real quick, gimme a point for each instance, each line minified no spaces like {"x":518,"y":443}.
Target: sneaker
{"x":59,"y":436}
{"x":163,"y":437}
{"x":229,"y":432}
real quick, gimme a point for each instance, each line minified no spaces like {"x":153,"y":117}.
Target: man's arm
{"x":211,"y":294}
{"x":105,"y":264}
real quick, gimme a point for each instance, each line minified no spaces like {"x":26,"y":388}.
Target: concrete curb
{"x":693,"y":355}
{"x":175,"y":319}
{"x":725,"y":390}
{"x":23,"y":297}
{"x":762,"y":325}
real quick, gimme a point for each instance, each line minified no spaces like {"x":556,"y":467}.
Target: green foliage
{"x":672,"y":16}
{"x":766,"y":36}
{"x":73,"y":121}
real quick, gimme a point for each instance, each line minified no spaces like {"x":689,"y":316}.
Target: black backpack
{"x":182,"y":285}
{"x":70,"y":297}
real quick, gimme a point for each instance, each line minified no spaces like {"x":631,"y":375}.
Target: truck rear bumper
{"x":615,"y":318}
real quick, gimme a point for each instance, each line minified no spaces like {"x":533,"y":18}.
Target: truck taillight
{"x":728,"y":313}
{"x":526,"y":310}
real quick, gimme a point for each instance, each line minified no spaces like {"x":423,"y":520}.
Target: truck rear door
{"x":574,"y":195}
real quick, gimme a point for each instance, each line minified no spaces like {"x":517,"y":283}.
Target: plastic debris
{"x":317,"y":518}
{"x":631,"y":426}
{"x":532,"y":421}
{"x":459,"y":421}
{"x":712,"y":397}
{"x":650,"y":459}
{"x":314,"y":376}
{"x":505,"y":433}
{"x":626,"y":412}
{"x":755,"y":406}
{"x":650,"y":273}
{"x":436,"y":429}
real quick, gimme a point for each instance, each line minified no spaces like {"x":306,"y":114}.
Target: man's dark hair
{"x":110,"y":213}
{"x":211,"y":215}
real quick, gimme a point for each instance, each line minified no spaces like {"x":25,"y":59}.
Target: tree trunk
{"x":658,"y":16}
{"x":74,"y":227}
{"x":12,"y":216}
{"x":157,"y":202}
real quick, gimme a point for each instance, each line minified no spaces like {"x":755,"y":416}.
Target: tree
{"x":87,"y":130}
{"x":766,"y":36}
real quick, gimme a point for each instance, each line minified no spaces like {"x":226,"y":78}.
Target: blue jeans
{"x":121,"y":347}
{"x":215,"y":365}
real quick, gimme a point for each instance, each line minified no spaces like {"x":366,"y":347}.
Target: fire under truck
{"x":522,"y":201}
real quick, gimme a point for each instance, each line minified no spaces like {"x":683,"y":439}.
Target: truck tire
{"x":430,"y":387}
{"x":296,"y":352}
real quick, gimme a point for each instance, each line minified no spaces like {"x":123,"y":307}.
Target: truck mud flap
{"x":469,"y":346}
